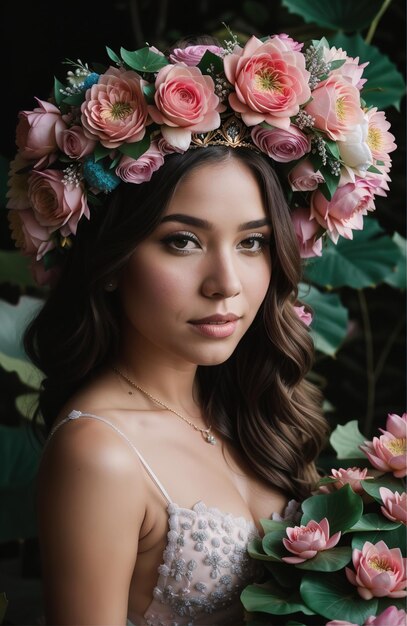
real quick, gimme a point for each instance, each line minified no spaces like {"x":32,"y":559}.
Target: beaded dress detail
{"x":205,"y":563}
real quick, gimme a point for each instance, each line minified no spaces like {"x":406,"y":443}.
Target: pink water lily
{"x":351,"y":476}
{"x":379,"y":571}
{"x":394,"y":505}
{"x":388,"y":452}
{"x":392,"y":616}
{"x":307,"y":541}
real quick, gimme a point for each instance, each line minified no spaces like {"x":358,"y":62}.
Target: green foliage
{"x":362,"y":262}
{"x":346,"y":439}
{"x":136,"y":149}
{"x":345,"y":15}
{"x":329,"y":324}
{"x":342,"y":508}
{"x":143,"y":60}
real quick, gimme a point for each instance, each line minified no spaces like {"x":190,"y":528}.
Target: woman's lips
{"x":216,"y":326}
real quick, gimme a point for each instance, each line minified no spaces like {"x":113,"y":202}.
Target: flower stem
{"x":370,"y":372}
{"x":376,"y":20}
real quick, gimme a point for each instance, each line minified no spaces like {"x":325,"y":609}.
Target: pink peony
{"x":392,"y":616}
{"x":185,"y":103}
{"x":379,"y":571}
{"x":335,"y":107}
{"x":140,"y":170}
{"x":281,"y":145}
{"x":191,"y":55}
{"x":387,"y":453}
{"x":395,"y":505}
{"x":344,"y":212}
{"x":270,"y":81}
{"x":303,"y":177}
{"x":74,"y":143}
{"x":350,"y":476}
{"x":38,"y":131}
{"x":294,"y":45}
{"x":57,"y":205}
{"x":307,"y":231}
{"x":351,"y":70}
{"x":305,"y":316}
{"x":114,"y":110}
{"x":307,"y":541}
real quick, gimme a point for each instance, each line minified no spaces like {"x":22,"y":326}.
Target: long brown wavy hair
{"x":259,"y":399}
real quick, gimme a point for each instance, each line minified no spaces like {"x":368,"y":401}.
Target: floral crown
{"x":299,"y":105}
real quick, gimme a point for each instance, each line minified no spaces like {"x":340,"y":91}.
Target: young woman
{"x":174,"y":395}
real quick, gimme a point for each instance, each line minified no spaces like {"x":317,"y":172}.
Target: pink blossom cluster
{"x":392,"y":616}
{"x":81,"y":144}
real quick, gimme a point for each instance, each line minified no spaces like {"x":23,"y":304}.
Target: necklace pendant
{"x":210,"y":439}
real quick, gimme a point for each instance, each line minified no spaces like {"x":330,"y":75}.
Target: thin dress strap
{"x":77,"y":414}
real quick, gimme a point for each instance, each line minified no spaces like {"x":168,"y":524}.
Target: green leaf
{"x":135,"y":150}
{"x":372,"y":487}
{"x":255,"y":550}
{"x":273,"y":545}
{"x":26,"y":371}
{"x":330,"y":560}
{"x":330,"y":321}
{"x":343,"y":508}
{"x":209,"y":61}
{"x":331,"y":183}
{"x":57,"y":91}
{"x":332,"y":597}
{"x":113,"y":56}
{"x":345,"y":15}
{"x":346,"y":439}
{"x":362,"y":262}
{"x":100,"y":152}
{"x":13,"y":321}
{"x":397,"y":278}
{"x":75,"y":99}
{"x":149,"y":91}
{"x":392,"y":538}
{"x":373,"y":522}
{"x":284,"y":574}
{"x":269,"y":525}
{"x":385,"y":85}
{"x":14,"y":269}
{"x":143,"y":60}
{"x":271,"y":598}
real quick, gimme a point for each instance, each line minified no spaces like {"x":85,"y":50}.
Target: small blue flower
{"x":90,"y":80}
{"x":99,"y":176}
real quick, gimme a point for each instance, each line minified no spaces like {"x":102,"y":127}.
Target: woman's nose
{"x":222,"y":278}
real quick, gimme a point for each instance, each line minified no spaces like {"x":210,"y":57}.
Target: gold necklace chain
{"x":205,"y":432}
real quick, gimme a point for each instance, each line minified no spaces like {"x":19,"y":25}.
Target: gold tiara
{"x":232,"y":133}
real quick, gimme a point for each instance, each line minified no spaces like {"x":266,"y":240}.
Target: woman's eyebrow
{"x":200,"y":223}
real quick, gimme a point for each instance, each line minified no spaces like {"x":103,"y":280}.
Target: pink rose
{"x":114,"y":110}
{"x":166,"y":148}
{"x":56,"y":205}
{"x":303,"y":177}
{"x":140,"y":170}
{"x":344,"y":212}
{"x":350,"y":476}
{"x":305,"y":316}
{"x":335,"y":106}
{"x":38,"y":130}
{"x":379,"y":571}
{"x":392,"y":616}
{"x":185,"y":103}
{"x":281,"y":145}
{"x":308,"y":233}
{"x":307,"y":541}
{"x":395,"y":505}
{"x":74,"y":143}
{"x":191,"y":55}
{"x":270,"y":81}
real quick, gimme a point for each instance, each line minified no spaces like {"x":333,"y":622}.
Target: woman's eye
{"x":254,"y":244}
{"x":183,"y":242}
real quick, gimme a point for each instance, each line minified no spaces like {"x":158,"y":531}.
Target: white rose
{"x":354,"y":150}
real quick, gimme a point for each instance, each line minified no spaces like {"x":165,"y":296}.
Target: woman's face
{"x":192,"y":288}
